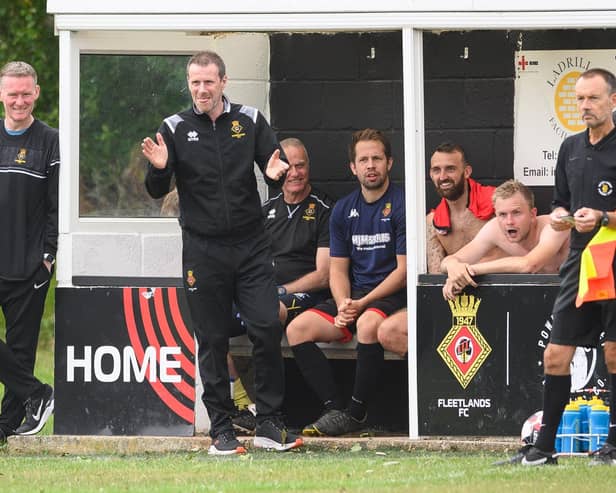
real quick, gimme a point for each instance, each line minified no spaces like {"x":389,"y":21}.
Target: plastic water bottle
{"x":594,"y":400}
{"x":583,"y":440}
{"x":599,"y":425}
{"x":558,"y":443}
{"x":570,"y":427}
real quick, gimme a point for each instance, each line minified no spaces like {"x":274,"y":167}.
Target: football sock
{"x":240,"y":396}
{"x":357,"y":409}
{"x":611,"y":436}
{"x":317,"y":372}
{"x":367,"y":377}
{"x":555,"y":397}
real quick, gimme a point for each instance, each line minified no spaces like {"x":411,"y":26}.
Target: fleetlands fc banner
{"x":545,"y":110}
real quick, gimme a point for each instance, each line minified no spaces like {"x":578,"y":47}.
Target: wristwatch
{"x":49,"y":258}
{"x":605,"y":219}
{"x":282,"y":290}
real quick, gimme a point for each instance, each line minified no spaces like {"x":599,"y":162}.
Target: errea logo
{"x":193,"y":136}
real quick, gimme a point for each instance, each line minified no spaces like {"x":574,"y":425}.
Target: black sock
{"x":555,"y":397}
{"x":611,"y":435}
{"x":367,"y":377}
{"x":317,"y":372}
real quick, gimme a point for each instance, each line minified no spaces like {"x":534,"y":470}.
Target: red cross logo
{"x":522,"y":63}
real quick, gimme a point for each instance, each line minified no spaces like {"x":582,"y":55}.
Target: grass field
{"x":306,"y":471}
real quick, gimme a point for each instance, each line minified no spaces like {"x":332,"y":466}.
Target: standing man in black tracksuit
{"x":211,"y":148}
{"x":29,"y":162}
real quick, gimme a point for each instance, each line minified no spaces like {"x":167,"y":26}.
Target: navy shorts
{"x":384,"y":306}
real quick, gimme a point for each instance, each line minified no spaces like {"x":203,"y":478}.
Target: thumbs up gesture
{"x":276,"y":167}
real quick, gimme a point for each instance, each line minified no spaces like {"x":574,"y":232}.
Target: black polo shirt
{"x":297,"y":230}
{"x":586,"y":177}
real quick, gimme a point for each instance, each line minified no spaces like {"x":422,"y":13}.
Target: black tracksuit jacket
{"x":213,"y":164}
{"x":29,"y":167}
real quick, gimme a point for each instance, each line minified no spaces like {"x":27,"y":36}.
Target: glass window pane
{"x":123,"y":98}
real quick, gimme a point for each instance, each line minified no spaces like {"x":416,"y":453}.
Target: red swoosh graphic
{"x":178,"y":321}
{"x":146,"y":318}
{"x":159,"y":307}
{"x":170,"y":401}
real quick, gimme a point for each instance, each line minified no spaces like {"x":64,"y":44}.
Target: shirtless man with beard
{"x":465,"y":206}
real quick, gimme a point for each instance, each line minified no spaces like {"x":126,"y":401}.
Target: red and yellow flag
{"x":596,"y":272}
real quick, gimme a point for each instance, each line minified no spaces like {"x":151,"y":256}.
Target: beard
{"x":453,"y":193}
{"x":374,"y":185}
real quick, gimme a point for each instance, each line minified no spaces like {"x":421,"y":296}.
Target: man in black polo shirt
{"x":297,"y":219}
{"x":584,"y":201}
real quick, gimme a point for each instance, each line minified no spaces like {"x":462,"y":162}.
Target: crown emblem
{"x":236,"y":130}
{"x":190,"y":278}
{"x":21,"y":156}
{"x":464,"y":306}
{"x":464,"y":349}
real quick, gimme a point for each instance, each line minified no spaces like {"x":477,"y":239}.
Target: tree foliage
{"x":123,"y":98}
{"x":27,"y":34}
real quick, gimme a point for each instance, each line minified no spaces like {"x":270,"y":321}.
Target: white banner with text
{"x":545,"y":110}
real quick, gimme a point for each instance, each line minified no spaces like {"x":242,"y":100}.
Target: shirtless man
{"x":529,"y":240}
{"x":465,"y":206}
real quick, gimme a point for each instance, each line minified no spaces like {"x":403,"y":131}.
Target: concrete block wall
{"x":325,"y":86}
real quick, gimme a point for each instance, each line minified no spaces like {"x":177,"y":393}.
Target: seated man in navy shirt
{"x":367,"y":281}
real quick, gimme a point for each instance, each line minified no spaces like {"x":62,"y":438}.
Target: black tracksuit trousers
{"x":217,"y":272}
{"x":22,"y":304}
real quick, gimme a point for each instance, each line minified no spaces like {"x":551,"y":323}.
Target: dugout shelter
{"x":423,"y":71}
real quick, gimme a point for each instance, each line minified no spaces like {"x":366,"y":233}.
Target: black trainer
{"x":605,"y":456}
{"x":333,"y":423}
{"x":244,"y":421}
{"x":529,"y":455}
{"x":272,"y":434}
{"x":38,"y":409}
{"x":226,"y":443}
{"x":2,"y":437}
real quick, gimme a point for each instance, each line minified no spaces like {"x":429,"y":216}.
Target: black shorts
{"x":296,"y":303}
{"x":581,"y":326}
{"x":384,"y":306}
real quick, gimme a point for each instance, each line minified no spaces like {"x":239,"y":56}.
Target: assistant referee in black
{"x":585,"y":187}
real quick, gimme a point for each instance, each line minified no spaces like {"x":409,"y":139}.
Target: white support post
{"x":412,"y":69}
{"x":69,"y":153}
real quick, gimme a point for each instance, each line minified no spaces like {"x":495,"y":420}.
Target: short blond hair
{"x":510,"y":188}
{"x":18,"y":69}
